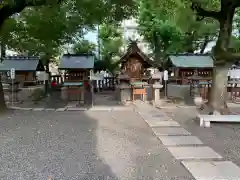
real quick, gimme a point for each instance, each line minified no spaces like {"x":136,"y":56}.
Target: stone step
{"x":163,"y":123}
{"x":179,"y":140}
{"x":193,"y":153}
{"x":170,"y":131}
{"x":210,"y":170}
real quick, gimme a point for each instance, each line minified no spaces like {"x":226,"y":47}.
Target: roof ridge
{"x":19,"y":57}
{"x":190,"y":54}
{"x":79,"y":54}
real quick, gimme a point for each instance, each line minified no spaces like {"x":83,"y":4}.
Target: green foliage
{"x":45,"y":26}
{"x":84,"y":46}
{"x":45,"y":30}
{"x":111,"y":38}
{"x":171,"y":27}
{"x":39,"y":31}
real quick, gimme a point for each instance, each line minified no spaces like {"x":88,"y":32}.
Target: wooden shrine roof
{"x":192,"y":60}
{"x":77,"y":61}
{"x":134,"y":50}
{"x":21,"y":63}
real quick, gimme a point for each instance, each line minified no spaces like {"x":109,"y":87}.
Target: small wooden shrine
{"x":135,"y":63}
{"x":25,"y":68}
{"x":134,"y":72}
{"x":77,"y":69}
{"x":184,"y":66}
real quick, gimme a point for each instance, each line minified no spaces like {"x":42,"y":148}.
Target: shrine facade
{"x":183,"y":66}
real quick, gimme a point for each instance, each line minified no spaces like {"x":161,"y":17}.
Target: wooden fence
{"x":108,"y":83}
{"x":233,"y":90}
{"x":204,"y":86}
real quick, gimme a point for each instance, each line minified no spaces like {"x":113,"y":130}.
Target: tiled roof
{"x":195,"y":61}
{"x":72,"y":61}
{"x":21,"y":63}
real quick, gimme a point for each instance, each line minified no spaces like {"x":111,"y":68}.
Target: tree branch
{"x":227,"y":56}
{"x":236,"y":3}
{"x":17,"y":6}
{"x":202,"y":13}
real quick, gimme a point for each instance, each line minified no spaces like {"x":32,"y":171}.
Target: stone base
{"x":205,"y":120}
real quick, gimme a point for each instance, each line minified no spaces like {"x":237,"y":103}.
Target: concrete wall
{"x":23,"y":95}
{"x":178,"y":91}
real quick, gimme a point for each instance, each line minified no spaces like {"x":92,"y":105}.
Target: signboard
{"x":12,"y":73}
{"x":91,"y":74}
{"x":165,"y":75}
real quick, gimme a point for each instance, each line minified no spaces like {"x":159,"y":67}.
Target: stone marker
{"x":196,"y":153}
{"x":170,"y":131}
{"x":210,"y":170}
{"x":179,"y":140}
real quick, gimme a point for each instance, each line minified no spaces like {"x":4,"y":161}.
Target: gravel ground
{"x":83,"y":146}
{"x":223,"y":138}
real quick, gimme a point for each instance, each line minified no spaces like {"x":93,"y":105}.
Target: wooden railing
{"x":233,"y":90}
{"x":59,"y":79}
{"x":108,"y":83}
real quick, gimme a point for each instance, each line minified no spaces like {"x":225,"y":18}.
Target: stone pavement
{"x":200,"y":160}
{"x":73,"y":106}
{"x":83,"y":145}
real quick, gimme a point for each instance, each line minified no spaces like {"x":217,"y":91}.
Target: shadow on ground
{"x":91,"y":145}
{"x":38,"y":145}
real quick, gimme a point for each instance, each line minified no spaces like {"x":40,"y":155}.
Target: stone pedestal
{"x":124,"y":93}
{"x":156,"y":94}
{"x":64,"y":93}
{"x":73,"y":94}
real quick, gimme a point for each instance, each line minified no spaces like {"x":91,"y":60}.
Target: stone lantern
{"x":194,"y":89}
{"x":156,"y":87}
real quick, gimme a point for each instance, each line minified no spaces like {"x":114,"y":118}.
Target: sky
{"x":91,"y":36}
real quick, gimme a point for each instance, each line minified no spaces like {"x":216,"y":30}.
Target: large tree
{"x":84,"y":46}
{"x":170,"y":27}
{"x":222,"y":11}
{"x":111,"y":42}
{"x":82,"y":12}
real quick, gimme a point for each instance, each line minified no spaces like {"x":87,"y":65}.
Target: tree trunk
{"x":157,"y":47}
{"x":205,"y":43}
{"x":218,"y":98}
{"x":2,"y":99}
{"x":3,"y":51}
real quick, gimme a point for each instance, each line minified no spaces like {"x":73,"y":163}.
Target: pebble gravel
{"x":97,"y":145}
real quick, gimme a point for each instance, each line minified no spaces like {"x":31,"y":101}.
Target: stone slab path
{"x":213,"y":170}
{"x":180,"y":140}
{"x":200,"y":160}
